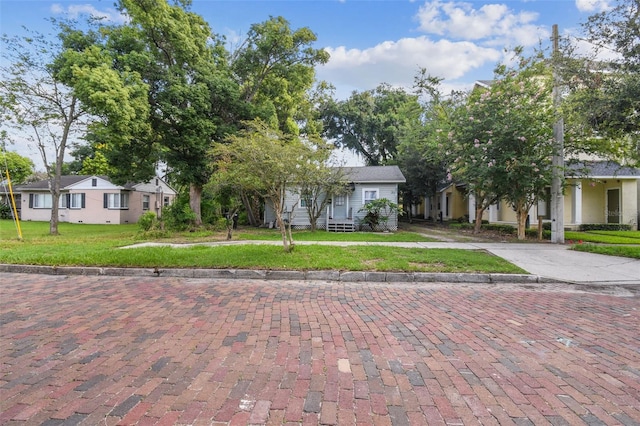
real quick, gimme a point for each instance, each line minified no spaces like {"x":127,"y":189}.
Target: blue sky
{"x":370,"y":42}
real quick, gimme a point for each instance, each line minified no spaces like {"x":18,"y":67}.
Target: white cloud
{"x":397,"y":62}
{"x":491,"y":24}
{"x":76,"y":10}
{"x":593,"y":5}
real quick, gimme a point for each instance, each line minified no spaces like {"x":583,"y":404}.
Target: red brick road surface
{"x":165,"y":351}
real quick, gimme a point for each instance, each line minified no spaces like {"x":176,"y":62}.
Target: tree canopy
{"x":604,"y":94}
{"x":19,"y":167}
{"x":501,"y":142}
{"x":370,"y":122}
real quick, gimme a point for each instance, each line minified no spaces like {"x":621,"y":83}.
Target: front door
{"x":340,"y":207}
{"x":613,"y":205}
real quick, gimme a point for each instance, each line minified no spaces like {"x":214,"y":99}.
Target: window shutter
{"x":68,"y":201}
{"x":30,"y":201}
{"x":82,"y":197}
{"x":105,"y":200}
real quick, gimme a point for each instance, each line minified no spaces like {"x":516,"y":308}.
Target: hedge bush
{"x":605,"y":227}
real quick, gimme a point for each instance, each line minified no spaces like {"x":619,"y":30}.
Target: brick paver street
{"x":165,"y":351}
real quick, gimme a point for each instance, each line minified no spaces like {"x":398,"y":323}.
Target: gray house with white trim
{"x":343,"y":213}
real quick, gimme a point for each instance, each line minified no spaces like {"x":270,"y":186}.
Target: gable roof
{"x":65,"y":182}
{"x":374,"y":174}
{"x":601,"y":169}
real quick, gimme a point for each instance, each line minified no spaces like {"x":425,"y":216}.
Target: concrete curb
{"x":329,"y":275}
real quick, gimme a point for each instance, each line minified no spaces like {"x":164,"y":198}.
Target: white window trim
{"x":47,"y":205}
{"x":365,"y":190}
{"x":111,"y":196}
{"x":75,"y":201}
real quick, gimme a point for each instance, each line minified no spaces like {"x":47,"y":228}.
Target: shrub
{"x":605,"y":227}
{"x":5,"y":211}
{"x":504,"y":229}
{"x":148,"y":221}
{"x":179,"y":216}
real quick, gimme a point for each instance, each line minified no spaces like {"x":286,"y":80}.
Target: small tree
{"x":267,"y":161}
{"x":503,"y":140}
{"x":43,"y":110}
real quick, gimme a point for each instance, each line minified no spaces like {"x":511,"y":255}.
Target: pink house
{"x":95,"y":199}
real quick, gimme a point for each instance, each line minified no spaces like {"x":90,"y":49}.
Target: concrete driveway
{"x":103,"y":350}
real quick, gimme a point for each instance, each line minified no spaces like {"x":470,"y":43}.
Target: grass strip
{"x":100,"y":245}
{"x":267,"y":257}
{"x":605,"y":237}
{"x":610,"y":250}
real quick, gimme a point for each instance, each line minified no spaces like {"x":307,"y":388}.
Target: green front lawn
{"x":612,"y":243}
{"x":101,"y":245}
{"x":605,"y":237}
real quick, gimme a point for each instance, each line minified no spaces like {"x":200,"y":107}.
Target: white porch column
{"x":493,"y":213}
{"x":472,"y":207}
{"x":576,"y":204}
{"x":347,"y":203}
{"x":427,"y":206}
{"x":443,"y":205}
{"x":326,"y":219}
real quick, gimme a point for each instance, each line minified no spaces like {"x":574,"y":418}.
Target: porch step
{"x":341,"y":227}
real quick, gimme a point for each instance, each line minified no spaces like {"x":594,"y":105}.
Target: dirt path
{"x":448,"y":235}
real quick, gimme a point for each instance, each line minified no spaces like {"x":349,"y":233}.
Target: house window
{"x":40,"y":201}
{"x":339,"y":200}
{"x":145,"y":202}
{"x":76,"y":201}
{"x":116,"y":201}
{"x":369,"y":195}
{"x":166,"y":201}
{"x":94,"y":182}
{"x":305,"y":200}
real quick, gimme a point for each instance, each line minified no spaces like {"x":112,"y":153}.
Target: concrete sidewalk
{"x":550,"y":262}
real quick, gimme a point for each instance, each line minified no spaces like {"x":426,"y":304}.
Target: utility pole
{"x":557,"y":162}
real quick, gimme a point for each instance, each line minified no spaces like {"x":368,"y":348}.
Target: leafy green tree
{"x":163,"y":85}
{"x":39,"y":106}
{"x":19,"y":167}
{"x":501,"y":142}
{"x":419,"y":151}
{"x":269,"y":162}
{"x":275,"y":67}
{"x":603,"y":106}
{"x":370,"y":122}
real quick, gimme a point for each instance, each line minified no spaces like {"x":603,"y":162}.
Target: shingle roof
{"x":390,"y":174}
{"x":601,"y":169}
{"x":65,"y":181}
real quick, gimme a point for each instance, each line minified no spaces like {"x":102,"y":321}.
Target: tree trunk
{"x":522,"y":220}
{"x":252,"y":215}
{"x":283,"y":231}
{"x":478,"y":222}
{"x":195,"y":198}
